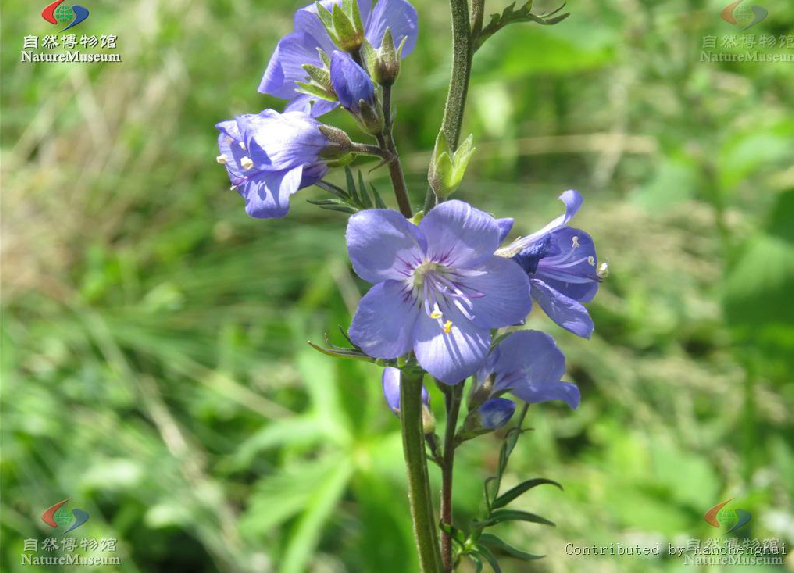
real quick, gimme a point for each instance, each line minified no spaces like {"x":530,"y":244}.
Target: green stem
{"x":386,"y":141}
{"x":416,"y":465}
{"x":458,"y":82}
{"x":452,"y":397}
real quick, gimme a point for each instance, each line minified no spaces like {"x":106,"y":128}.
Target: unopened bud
{"x":339,"y":143}
{"x":370,"y":117}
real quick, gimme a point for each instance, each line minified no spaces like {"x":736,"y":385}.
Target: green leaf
{"x":501,"y":515}
{"x":489,"y":557}
{"x":494,"y":541}
{"x":351,"y":186}
{"x":512,"y":16}
{"x":366,"y":201}
{"x":319,"y":508}
{"x":520,"y":489}
{"x":378,"y":201}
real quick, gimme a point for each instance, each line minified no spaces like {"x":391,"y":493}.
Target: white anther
{"x":603,"y":270}
{"x":591,"y":260}
{"x":575,"y":242}
{"x":242,"y":145}
{"x":221,"y":159}
{"x":229,"y":139}
{"x":247,"y":163}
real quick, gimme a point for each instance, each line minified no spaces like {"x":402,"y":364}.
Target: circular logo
{"x":63,"y":516}
{"x":64,"y":13}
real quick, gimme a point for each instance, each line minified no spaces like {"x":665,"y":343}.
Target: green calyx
{"x":344,"y":25}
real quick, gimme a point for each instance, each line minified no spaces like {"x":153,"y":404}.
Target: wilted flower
{"x":269,"y":156}
{"x":495,"y":413}
{"x":561,"y":264}
{"x":302,"y":47}
{"x":391,"y":389}
{"x":439,"y":289}
{"x":528,"y":364}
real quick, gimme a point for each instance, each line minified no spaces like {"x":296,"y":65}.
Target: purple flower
{"x":439,"y":289}
{"x":300,"y":47}
{"x":391,"y":389}
{"x":561,"y":264}
{"x":269,"y":156}
{"x":529,"y":364}
{"x":351,"y":83}
{"x":495,"y":413}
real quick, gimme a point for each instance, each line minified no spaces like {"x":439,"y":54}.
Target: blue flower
{"x":269,"y":156}
{"x":495,"y":413}
{"x":528,"y":364}
{"x":351,"y":83}
{"x":300,"y":47}
{"x":561,"y":264}
{"x":439,"y":288}
{"x":391,"y":389}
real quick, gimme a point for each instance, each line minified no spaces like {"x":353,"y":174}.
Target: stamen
{"x":436,"y":314}
{"x":447,"y":326}
{"x":229,"y":139}
{"x":591,"y":260}
{"x":221,"y":159}
{"x":247,"y":163}
{"x":233,"y":188}
{"x":242,"y":145}
{"x":575,"y":242}
{"x":603,"y":270}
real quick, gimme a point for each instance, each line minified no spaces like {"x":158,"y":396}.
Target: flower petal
{"x":383,"y":245}
{"x":570,"y":265}
{"x":537,"y":393}
{"x":391,"y":389}
{"x":505,"y":226}
{"x":282,"y":140}
{"x":565,"y":311}
{"x":527,"y":357}
{"x":383,"y":325}
{"x":450,"y":356}
{"x":459,"y":235}
{"x":503,"y":293}
{"x":267,"y":193}
{"x":286,"y":64}
{"x":572,"y":200}
{"x":400,"y":17}
{"x":351,"y":83}
{"x":311,"y":105}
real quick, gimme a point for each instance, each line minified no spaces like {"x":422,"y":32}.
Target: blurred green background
{"x":154,"y":358}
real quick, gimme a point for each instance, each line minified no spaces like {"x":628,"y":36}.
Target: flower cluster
{"x":270,"y":155}
{"x":443,"y":285}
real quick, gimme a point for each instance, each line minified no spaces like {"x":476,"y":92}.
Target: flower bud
{"x":339,"y":143}
{"x":351,"y":83}
{"x":384,"y":63}
{"x":447,"y":168}
{"x":495,"y":413}
{"x":391,"y":391}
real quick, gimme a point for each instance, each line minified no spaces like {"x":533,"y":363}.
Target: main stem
{"x":416,"y":465}
{"x":386,"y":141}
{"x":459,"y":80}
{"x":452,"y":398}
